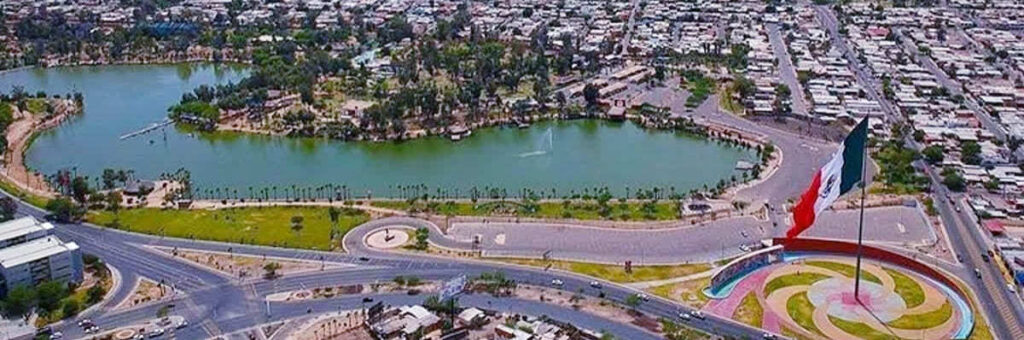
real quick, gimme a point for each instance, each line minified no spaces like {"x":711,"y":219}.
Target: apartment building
{"x":30,"y":254}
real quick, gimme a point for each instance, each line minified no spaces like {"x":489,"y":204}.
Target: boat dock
{"x":151,"y":127}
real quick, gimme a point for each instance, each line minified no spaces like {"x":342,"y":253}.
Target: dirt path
{"x":18,"y":135}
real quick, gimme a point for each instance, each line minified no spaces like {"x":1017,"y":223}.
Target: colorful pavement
{"x":814,"y":298}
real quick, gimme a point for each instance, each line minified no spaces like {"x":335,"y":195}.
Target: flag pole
{"x":860,"y":229}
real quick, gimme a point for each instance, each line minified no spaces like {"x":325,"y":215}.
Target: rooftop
{"x":21,"y":227}
{"x":33,"y":250}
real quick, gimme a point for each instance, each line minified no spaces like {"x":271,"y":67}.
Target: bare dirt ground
{"x":242,"y":266}
{"x":146,"y":291}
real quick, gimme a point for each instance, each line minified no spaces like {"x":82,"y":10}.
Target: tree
{"x":970,"y":153}
{"x":633,"y":301}
{"x":992,"y":184}
{"x":20,"y":300}
{"x":64,"y":210}
{"x":80,"y":188}
{"x":270,"y":270}
{"x":95,"y":294}
{"x":919,"y":136}
{"x":49,"y":295}
{"x":933,"y":154}
{"x":591,"y":94}
{"x":422,"y":234}
{"x":297,"y":223}
{"x":7,"y":208}
{"x":71,"y":307}
{"x":114,"y":199}
{"x":954,"y":181}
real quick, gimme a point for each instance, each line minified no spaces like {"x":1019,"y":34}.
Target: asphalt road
{"x":218,"y":305}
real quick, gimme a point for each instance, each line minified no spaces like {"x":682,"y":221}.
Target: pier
{"x":147,"y":129}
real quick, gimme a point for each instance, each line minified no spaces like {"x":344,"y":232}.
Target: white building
{"x":30,"y":254}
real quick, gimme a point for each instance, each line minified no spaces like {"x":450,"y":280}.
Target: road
{"x":787,"y":72}
{"x":227,"y":305}
{"x":1003,"y":310}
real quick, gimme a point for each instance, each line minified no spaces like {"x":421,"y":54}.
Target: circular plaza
{"x":810,"y":295}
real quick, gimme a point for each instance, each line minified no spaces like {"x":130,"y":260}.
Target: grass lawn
{"x":860,"y":329}
{"x":750,"y":311}
{"x":789,"y":333}
{"x":616,"y":273}
{"x":35,"y":105}
{"x":800,"y":279}
{"x":802,"y":311}
{"x":907,"y":288}
{"x":845,"y":269}
{"x":924,"y":321}
{"x":30,"y":198}
{"x":582,"y":210}
{"x":264,"y":225}
{"x":688,"y":292}
{"x":727,"y":103}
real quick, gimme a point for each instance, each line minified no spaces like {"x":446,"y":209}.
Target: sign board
{"x":453,"y":287}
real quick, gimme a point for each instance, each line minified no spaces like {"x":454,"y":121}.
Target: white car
{"x":1011,"y":287}
{"x":156,"y":332}
{"x":684,"y":316}
{"x":644,"y":297}
{"x":557,"y":282}
{"x":56,"y":335}
{"x":84,"y":322}
{"x":697,"y":314}
{"x":182,"y":324}
{"x":595,"y":284}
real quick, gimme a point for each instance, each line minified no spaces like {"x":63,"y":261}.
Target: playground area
{"x":811,"y":296}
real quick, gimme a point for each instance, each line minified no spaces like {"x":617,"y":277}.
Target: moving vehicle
{"x":595,"y":284}
{"x":697,"y":314}
{"x":557,"y":283}
{"x":977,"y":273}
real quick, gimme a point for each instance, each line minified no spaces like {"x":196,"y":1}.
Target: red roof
{"x":994,"y":226}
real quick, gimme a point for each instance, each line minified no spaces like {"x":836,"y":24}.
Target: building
{"x":405,"y":322}
{"x":30,"y":254}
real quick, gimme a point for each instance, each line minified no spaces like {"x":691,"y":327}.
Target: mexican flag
{"x":836,"y":178}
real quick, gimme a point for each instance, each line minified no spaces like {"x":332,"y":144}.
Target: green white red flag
{"x":840,"y":175}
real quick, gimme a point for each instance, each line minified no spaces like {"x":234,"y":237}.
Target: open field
{"x":271,"y":226}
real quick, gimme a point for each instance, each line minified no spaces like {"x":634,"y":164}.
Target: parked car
{"x":684,"y":316}
{"x":156,"y":332}
{"x":977,"y":273}
{"x":182,"y":324}
{"x":557,"y":283}
{"x":697,"y":314}
{"x":644,"y":297}
{"x":595,"y":284}
{"x":984,"y":257}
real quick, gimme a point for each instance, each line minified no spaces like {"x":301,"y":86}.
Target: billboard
{"x":453,"y":287}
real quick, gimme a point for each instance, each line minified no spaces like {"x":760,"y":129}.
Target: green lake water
{"x":563,"y":156}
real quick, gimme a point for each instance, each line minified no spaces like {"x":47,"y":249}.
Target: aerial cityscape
{"x":519,"y":169}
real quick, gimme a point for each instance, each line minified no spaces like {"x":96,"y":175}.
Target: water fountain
{"x":545,"y":145}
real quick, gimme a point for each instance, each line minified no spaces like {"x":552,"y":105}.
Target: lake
{"x":563,"y":156}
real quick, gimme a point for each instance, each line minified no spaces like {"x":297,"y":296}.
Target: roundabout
{"x":810,"y":295}
{"x":389,"y":237}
